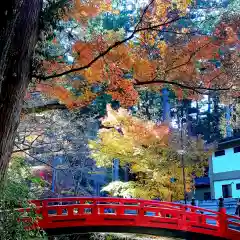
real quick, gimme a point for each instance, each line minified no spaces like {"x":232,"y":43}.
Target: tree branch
{"x":21,"y":150}
{"x":43,"y":108}
{"x":195,"y":89}
{"x":39,"y":160}
{"x":116,"y":44}
{"x":143,"y":14}
{"x":57,"y":106}
{"x":119,"y":130}
{"x":105,"y":127}
{"x":189,"y":59}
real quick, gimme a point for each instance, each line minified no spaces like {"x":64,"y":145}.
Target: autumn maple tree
{"x":151,"y":151}
{"x":159,"y":52}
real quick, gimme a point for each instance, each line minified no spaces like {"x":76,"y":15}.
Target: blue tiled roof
{"x":202,"y":181}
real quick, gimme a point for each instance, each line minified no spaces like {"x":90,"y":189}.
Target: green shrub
{"x":19,"y":187}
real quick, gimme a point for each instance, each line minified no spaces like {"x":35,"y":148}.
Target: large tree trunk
{"x":18,"y":37}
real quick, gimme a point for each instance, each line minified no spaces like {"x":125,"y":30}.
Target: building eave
{"x":229,"y":144}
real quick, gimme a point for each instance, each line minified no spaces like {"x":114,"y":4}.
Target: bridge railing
{"x":87,"y":211}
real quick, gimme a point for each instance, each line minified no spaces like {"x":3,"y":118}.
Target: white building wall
{"x":228,"y":162}
{"x":218,"y":188}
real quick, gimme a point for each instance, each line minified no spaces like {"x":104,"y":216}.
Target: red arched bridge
{"x":83,"y":215}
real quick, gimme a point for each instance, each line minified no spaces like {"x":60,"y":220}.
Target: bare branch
{"x":37,"y":159}
{"x":189,"y":59}
{"x":21,"y":150}
{"x":43,"y":108}
{"x":196,"y":89}
{"x":143,"y":14}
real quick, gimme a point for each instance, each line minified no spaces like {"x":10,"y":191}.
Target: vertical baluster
{"x":120,"y":210}
{"x":45,"y":209}
{"x":94,"y":208}
{"x":80,"y":208}
{"x":59,"y":210}
{"x":141,"y":212}
{"x":182,"y":221}
{"x":193,"y":211}
{"x":69,"y":210}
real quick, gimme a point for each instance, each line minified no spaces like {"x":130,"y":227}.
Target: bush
{"x":19,"y":187}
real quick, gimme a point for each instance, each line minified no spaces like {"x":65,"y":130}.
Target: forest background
{"x":142,"y":82}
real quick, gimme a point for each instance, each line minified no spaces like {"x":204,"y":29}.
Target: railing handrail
{"x":126,"y":200}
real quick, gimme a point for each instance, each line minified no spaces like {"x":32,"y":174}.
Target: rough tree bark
{"x":18,"y":37}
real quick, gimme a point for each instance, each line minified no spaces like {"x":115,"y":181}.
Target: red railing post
{"x":38,"y":206}
{"x":94,"y":208}
{"x":222,"y":218}
{"x":182,"y":220}
{"x":223,"y":222}
{"x":193,"y":210}
{"x":121,"y":209}
{"x":201,"y":219}
{"x":44,"y":210}
{"x":141,"y":213}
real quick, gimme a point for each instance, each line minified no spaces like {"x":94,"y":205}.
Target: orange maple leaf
{"x":144,"y":70}
{"x":85,"y":52}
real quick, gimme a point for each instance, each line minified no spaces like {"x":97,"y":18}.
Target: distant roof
{"x":44,"y":168}
{"x":200,"y":181}
{"x":227,"y":139}
{"x":229,"y":142}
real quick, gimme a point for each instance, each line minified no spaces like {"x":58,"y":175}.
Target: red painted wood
{"x":87,"y":211}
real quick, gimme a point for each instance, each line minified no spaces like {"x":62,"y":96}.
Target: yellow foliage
{"x":151,"y":152}
{"x":162,"y":46}
{"x":161,"y":8}
{"x":112,"y":36}
{"x":33,"y":138}
{"x":182,"y":5}
{"x":158,"y":13}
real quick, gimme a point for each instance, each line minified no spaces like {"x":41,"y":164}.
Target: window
{"x":219,"y":153}
{"x":237,"y":149}
{"x":238,"y":186}
{"x":207,"y":196}
{"x":227,"y":191}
